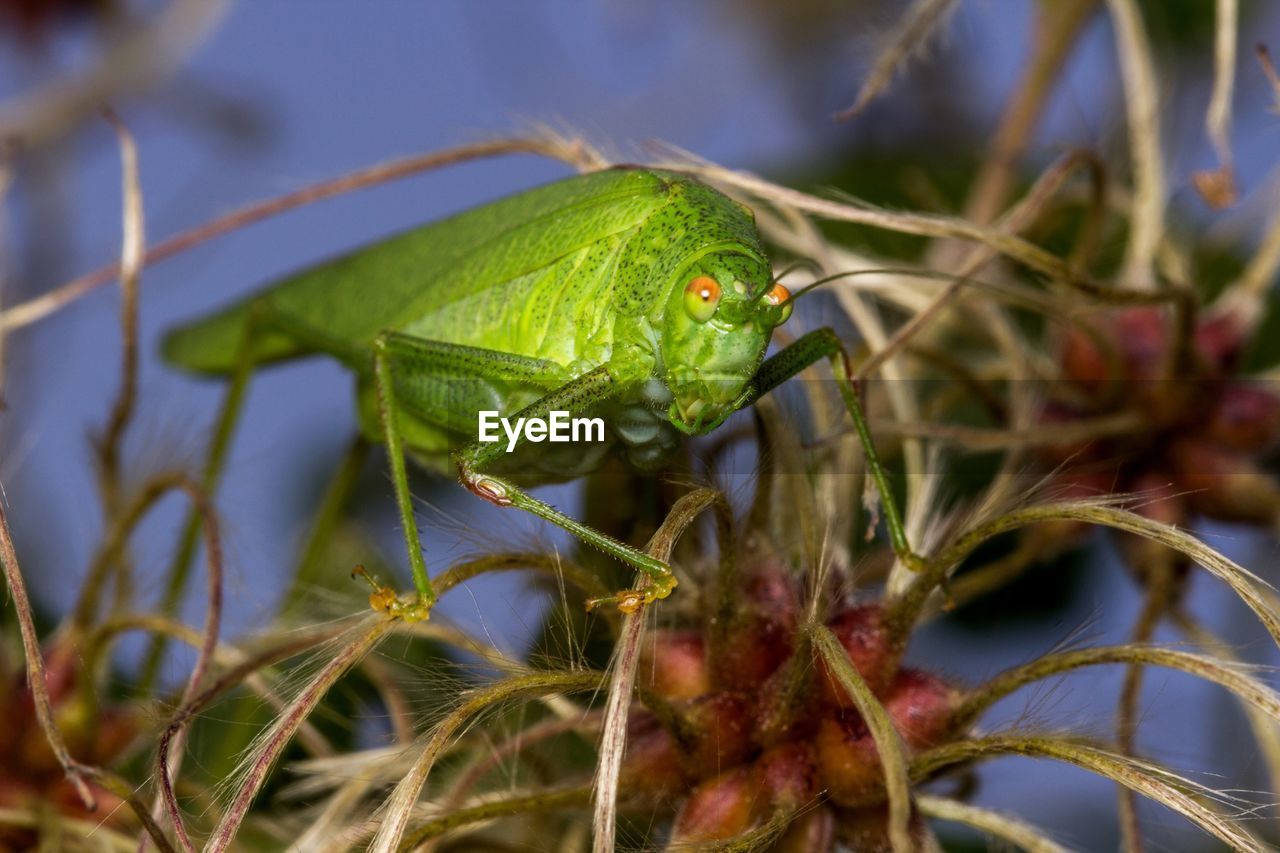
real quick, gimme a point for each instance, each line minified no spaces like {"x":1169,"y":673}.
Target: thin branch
{"x":1217,"y":119}
{"x":1142,"y":95}
{"x":37,"y":679}
{"x":1001,"y":826}
{"x":272,"y":743}
{"x":168,"y":768}
{"x":1248,"y":689}
{"x":399,"y":806}
{"x":573,"y":153}
{"x":1155,"y":783}
{"x":133,"y":246}
{"x":613,"y":739}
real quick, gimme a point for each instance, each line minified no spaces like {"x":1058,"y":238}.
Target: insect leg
{"x":807,"y":350}
{"x":576,"y":396}
{"x":404,"y":356}
{"x":388,"y":415}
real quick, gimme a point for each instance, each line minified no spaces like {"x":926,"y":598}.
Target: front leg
{"x":576,"y":396}
{"x":790,"y":361}
{"x":403,"y":369}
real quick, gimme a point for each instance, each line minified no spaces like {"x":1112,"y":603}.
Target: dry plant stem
{"x":905,"y":608}
{"x":97,"y":644}
{"x":125,"y":791}
{"x":588,"y":722}
{"x":1248,"y":689}
{"x":1057,"y":28}
{"x":1019,"y":217}
{"x":1007,"y":829}
{"x":208,"y":645}
{"x":613,"y":738}
{"x":578,"y":797}
{"x":982,"y":438}
{"x":281,"y":732}
{"x":130,"y":273}
{"x":917,"y":24}
{"x":924,"y":225}
{"x":152,"y":491}
{"x":399,"y":807}
{"x":889,"y":746}
{"x":1217,"y":119}
{"x":1141,"y":98}
{"x":179,"y":569}
{"x":1160,"y":583}
{"x":1265,"y":730}
{"x":242,"y":672}
{"x":1152,"y":782}
{"x":572,"y":152}
{"x":1247,"y":295}
{"x":37,"y":679}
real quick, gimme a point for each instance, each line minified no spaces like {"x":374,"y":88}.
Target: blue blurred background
{"x":286,"y":92}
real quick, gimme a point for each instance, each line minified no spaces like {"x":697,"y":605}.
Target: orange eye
{"x":701,"y":296}
{"x":779,"y":295}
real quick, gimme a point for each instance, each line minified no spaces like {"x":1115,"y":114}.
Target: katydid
{"x":640,"y":296}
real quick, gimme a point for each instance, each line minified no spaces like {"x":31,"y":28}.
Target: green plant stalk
{"x":889,"y":746}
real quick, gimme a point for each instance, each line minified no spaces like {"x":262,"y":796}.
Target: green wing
{"x":339,"y":307}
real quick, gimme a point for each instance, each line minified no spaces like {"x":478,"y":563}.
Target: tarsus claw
{"x":630,"y":600}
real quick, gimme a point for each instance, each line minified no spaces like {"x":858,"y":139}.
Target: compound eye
{"x":701,"y":296}
{"x":779,"y":295}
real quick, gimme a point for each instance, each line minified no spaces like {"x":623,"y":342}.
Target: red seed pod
{"x":922,"y":707}
{"x":789,"y":774}
{"x":749,"y":651}
{"x":862,"y":633}
{"x":654,"y":762}
{"x":720,"y":808}
{"x":1244,"y":417}
{"x":720,"y":725}
{"x":675,"y":665}
{"x":784,"y":710}
{"x":812,"y":832}
{"x":848,"y":763}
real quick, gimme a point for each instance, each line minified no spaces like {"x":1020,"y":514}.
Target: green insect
{"x":638,"y":296}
